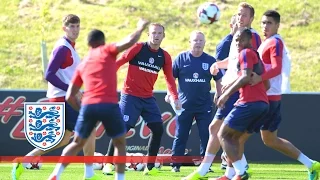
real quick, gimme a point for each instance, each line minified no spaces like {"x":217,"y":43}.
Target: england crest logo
{"x":44,"y":124}
{"x":205,"y":66}
{"x":151,"y":60}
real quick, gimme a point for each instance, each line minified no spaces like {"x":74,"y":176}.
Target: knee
{"x":119,"y":142}
{"x":214,"y":128}
{"x":156,"y":129}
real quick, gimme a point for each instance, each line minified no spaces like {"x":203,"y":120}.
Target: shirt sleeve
{"x":276,"y":50}
{"x":111,"y":49}
{"x":219,"y":75}
{"x":222,"y":51}
{"x":246,"y":59}
{"x":76,"y":79}
{"x":167,"y":70}
{"x":129,"y":54}
{"x":255,"y":41}
{"x":58,"y":58}
{"x":175,"y":67}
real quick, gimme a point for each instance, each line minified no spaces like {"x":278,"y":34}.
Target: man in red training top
{"x":145,"y":61}
{"x":250,"y":108}
{"x":277,"y":64}
{"x":100,"y":99}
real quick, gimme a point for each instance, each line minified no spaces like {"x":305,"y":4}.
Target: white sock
{"x":206,"y":164}
{"x":239,"y":168}
{"x":88,"y":169}
{"x":305,"y":160}
{"x":119,"y":176}
{"x":26,"y":164}
{"x":230,"y":172}
{"x":244,"y":161}
{"x":58,"y":170}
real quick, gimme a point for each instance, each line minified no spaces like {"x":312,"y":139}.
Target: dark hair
{"x":95,"y":38}
{"x":70,"y":19}
{"x":246,"y":33}
{"x":274,"y":14}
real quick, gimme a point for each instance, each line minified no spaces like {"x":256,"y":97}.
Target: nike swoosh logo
{"x":186,"y":65}
{"x":159,"y":56}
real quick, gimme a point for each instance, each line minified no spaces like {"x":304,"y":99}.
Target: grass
{"x":75,"y":172}
{"x":24,"y":24}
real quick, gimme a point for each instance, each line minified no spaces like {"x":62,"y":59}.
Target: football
{"x":136,"y":163}
{"x":98,"y":165}
{"x":208,"y":13}
{"x":34,"y":166}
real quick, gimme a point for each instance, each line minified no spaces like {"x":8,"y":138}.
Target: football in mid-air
{"x":208,"y":13}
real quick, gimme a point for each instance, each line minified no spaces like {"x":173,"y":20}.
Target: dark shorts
{"x":132,"y":107}
{"x":272,"y":119}
{"x":71,"y":116}
{"x":229,"y":105}
{"x":108,"y":113}
{"x":247,"y":117}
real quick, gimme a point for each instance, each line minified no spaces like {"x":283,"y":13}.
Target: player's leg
{"x":152,"y":116}
{"x":70,"y":120}
{"x":131,"y":108}
{"x":85,"y":124}
{"x":88,"y":150}
{"x":213,"y":145}
{"x":203,"y":121}
{"x":241,"y":119}
{"x":116,"y":129}
{"x":183,"y":126}
{"x":269,"y":135}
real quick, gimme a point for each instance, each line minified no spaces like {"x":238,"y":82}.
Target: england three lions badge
{"x":44,"y":124}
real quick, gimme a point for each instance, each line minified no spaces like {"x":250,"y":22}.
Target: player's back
{"x":248,"y":58}
{"x":98,"y":72}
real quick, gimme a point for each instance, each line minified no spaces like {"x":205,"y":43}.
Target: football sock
{"x":88,"y":169}
{"x":154,"y":143}
{"x":305,"y":160}
{"x":230,"y":172}
{"x":58,"y":170}
{"x":119,"y":176}
{"x":205,"y":166}
{"x":239,"y":168}
{"x":27,"y":163}
{"x":244,"y":160}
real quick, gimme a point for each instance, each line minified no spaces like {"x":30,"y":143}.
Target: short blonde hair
{"x":197,"y":32}
{"x":157,"y":24}
{"x":247,"y":5}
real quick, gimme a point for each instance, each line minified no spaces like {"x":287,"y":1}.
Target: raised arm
{"x":132,"y":38}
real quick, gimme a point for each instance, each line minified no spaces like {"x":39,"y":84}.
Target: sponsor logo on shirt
{"x":195,"y":79}
{"x":149,"y":65}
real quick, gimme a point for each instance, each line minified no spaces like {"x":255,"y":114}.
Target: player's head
{"x":243,"y":39}
{"x":197,"y":41}
{"x":245,"y":15}
{"x":270,"y":23}
{"x":156,"y":33}
{"x":96,"y":38}
{"x":71,"y":26}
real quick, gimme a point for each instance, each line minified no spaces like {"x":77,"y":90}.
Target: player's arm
{"x":132,"y":38}
{"x":276,"y":50}
{"x":168,"y":74}
{"x":214,"y":69}
{"x":246,"y":67}
{"x":128,"y":55}
{"x":175,"y":72}
{"x":59,"y":56}
{"x":73,"y":92}
{"x":223,"y":50}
